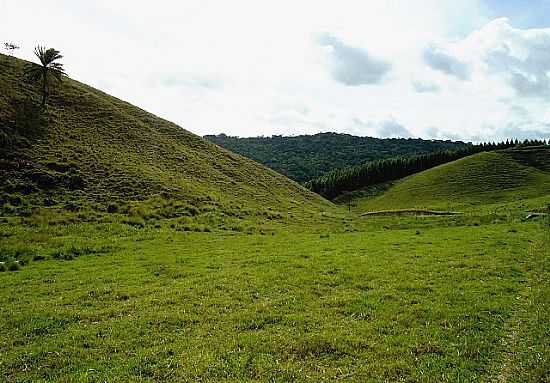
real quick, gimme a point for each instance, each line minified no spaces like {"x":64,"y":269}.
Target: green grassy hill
{"x":92,"y":150}
{"x":481,"y":179}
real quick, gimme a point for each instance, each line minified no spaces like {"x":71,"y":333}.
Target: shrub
{"x":44,"y":180}
{"x":60,"y":167}
{"x":74,"y":181}
{"x":72,"y":206}
{"x":15,"y":200}
{"x":136,"y":221}
{"x":112,"y":208}
{"x":9,"y":208}
{"x":6,"y":138}
{"x":29,"y":119}
{"x":24,"y":260}
{"x":74,"y":251}
{"x":22,"y":255}
{"x":13,"y":266}
{"x":48,"y":201}
{"x":3,"y":267}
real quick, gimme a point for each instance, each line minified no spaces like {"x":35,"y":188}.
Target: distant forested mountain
{"x":304,"y":158}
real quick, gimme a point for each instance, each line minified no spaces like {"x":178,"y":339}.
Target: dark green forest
{"x":352,"y":178}
{"x":303,"y":158}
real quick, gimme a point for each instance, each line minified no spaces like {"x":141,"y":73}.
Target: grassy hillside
{"x":481,"y":179}
{"x":91,"y":150}
{"x":303,"y":158}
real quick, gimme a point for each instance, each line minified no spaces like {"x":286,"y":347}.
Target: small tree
{"x":47,"y":69}
{"x":10,"y":47}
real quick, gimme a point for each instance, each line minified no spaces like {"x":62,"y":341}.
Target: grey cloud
{"x":354,"y":66}
{"x":425,"y":87}
{"x":393,"y":129}
{"x":435,"y":133}
{"x":192,"y":81}
{"x":527,"y":75}
{"x":519,"y":110}
{"x":525,"y":130}
{"x":384,"y":129}
{"x":521,"y":130}
{"x":441,"y":61}
{"x":537,"y":86}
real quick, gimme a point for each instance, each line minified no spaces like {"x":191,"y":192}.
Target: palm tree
{"x":47,"y":69}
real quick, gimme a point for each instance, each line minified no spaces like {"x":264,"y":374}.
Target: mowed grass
{"x":418,"y":304}
{"x":482,"y":179}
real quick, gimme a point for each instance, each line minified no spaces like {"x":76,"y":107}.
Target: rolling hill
{"x":92,"y":150}
{"x":481,"y":179}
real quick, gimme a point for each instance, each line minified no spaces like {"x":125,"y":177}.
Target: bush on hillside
{"x":7,"y":137}
{"x":30,"y":121}
{"x":73,"y":251}
{"x":13,"y":266}
{"x":112,"y":208}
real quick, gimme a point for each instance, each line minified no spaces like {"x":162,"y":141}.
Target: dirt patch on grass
{"x":418,"y":212}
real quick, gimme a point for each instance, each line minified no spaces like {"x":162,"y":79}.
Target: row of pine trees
{"x":340,"y":181}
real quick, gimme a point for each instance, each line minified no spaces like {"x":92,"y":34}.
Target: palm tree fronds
{"x":57,"y":75}
{"x":49,"y":68}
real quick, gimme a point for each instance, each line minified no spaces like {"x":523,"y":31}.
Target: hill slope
{"x":90,"y":148}
{"x":303,"y":158}
{"x":485,"y":178}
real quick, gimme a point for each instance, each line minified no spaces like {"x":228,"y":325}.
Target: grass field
{"x":423,"y":301}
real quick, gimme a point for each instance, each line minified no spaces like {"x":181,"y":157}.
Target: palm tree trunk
{"x":44,"y":87}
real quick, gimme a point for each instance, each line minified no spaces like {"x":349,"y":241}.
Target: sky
{"x":471,"y":70}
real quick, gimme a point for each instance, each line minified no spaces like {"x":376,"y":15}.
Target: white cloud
{"x":522,"y":57}
{"x":253,"y":67}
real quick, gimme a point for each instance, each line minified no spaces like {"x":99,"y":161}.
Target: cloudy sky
{"x":446,"y":69}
